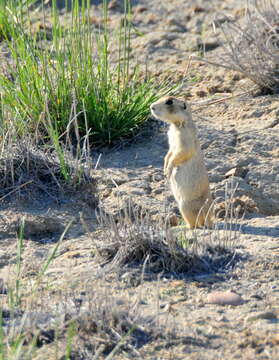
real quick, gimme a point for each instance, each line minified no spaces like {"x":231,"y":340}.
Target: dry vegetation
{"x":252,"y":45}
{"x":26,"y":170}
{"x":134,"y":239}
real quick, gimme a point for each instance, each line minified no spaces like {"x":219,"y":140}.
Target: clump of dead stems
{"x":26,"y":169}
{"x":252,"y":45}
{"x":134,"y":239}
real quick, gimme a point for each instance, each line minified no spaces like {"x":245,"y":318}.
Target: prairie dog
{"x":184,"y":164}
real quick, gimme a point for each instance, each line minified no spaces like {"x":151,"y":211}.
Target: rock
{"x":237,"y":171}
{"x":236,"y":187}
{"x":267,"y":315}
{"x":236,"y":206}
{"x":224,"y":298}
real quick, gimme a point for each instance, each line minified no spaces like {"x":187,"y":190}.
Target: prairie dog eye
{"x":169,"y":102}
{"x":184,"y":106}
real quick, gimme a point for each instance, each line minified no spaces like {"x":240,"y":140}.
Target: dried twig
{"x":16,"y":189}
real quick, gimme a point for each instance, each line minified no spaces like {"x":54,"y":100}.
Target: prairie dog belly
{"x":189,"y":181}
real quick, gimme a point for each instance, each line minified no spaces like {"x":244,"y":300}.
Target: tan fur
{"x":184,"y":164}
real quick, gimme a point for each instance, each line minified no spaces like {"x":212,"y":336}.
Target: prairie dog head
{"x":171,"y":110}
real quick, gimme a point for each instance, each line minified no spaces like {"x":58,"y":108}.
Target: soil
{"x":239,"y":136}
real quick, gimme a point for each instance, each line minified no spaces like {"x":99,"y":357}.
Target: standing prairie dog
{"x":184,"y":165}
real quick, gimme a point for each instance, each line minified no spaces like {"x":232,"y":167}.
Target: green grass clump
{"x":12,"y":11}
{"x":76,"y":81}
{"x":4,"y":24}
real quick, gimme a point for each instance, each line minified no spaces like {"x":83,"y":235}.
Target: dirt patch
{"x":160,"y":314}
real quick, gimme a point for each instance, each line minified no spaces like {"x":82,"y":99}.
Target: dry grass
{"x":97,"y":325}
{"x":26,"y":170}
{"x":97,"y":319}
{"x":252,"y":45}
{"x":134,"y":239}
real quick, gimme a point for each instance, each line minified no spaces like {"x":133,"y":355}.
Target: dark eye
{"x":169,"y":102}
{"x":184,"y":106}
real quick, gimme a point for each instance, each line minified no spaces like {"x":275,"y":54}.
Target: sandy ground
{"x":239,"y":133}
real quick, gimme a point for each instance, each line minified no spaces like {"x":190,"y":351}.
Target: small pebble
{"x":224,"y":298}
{"x":267,"y":315}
